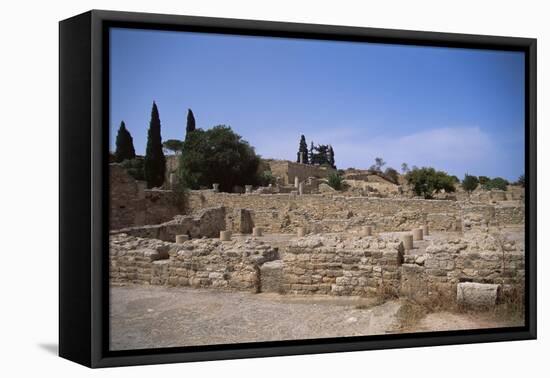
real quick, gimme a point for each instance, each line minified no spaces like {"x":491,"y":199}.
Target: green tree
{"x":302,"y":150}
{"x":173,"y":145}
{"x":497,"y":183}
{"x":330,"y":157}
{"x":404,"y":168}
{"x":155,"y":162}
{"x":470,"y":183}
{"x":521,"y":181}
{"x":124,"y":144}
{"x":427,"y":181}
{"x":320,"y":155}
{"x":378,"y":164}
{"x":191,"y":126}
{"x":218,"y":155}
{"x":483,"y":180}
{"x":335,"y":181}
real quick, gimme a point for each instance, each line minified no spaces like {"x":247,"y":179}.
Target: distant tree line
{"x":322,"y":154}
{"x":217,"y":155}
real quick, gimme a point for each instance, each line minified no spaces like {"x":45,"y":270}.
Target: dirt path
{"x":156,"y":316}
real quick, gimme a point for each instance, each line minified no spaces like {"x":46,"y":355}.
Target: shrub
{"x":427,"y":181}
{"x":335,"y":181}
{"x":497,"y":183}
{"x":470,"y":183}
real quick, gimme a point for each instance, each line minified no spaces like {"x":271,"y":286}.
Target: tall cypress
{"x":124,"y":144}
{"x":311,"y":153}
{"x":190,"y":123}
{"x":331,"y":157}
{"x":155,"y":162}
{"x":302,"y":150}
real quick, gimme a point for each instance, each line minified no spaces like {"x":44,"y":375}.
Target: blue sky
{"x":459,"y":110}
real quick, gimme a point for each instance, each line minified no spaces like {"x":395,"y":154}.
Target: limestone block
{"x":407,"y":240}
{"x":477,"y":294}
{"x":418,"y":234}
{"x":301,"y":232}
{"x":426,"y":230}
{"x":216,"y":187}
{"x":257,"y":231}
{"x":271,"y":277}
{"x":225,"y":235}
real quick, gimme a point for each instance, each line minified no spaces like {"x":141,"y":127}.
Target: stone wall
{"x":331,"y":213}
{"x":324,"y":265}
{"x":287,"y":170}
{"x":476,"y":257}
{"x":356,"y":266}
{"x":196,"y":263}
{"x":206,"y":222}
{"x":133,"y":205}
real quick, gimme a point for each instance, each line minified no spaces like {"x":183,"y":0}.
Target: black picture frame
{"x":83,"y":164}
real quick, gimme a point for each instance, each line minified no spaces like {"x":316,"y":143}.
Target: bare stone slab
{"x":477,"y":294}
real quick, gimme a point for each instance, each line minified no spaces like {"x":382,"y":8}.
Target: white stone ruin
{"x":225,"y":235}
{"x":407,"y":240}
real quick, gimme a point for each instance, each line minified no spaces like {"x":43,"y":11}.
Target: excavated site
{"x":299,"y":260}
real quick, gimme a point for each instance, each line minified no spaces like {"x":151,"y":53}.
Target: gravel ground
{"x":156,"y":316}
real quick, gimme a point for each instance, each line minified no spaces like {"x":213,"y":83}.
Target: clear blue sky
{"x":458,"y":110}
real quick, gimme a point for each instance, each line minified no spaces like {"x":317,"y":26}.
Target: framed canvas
{"x":235,"y":188}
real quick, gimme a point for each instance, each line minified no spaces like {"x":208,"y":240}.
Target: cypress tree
{"x":302,"y":150}
{"x":155,"y":162}
{"x":330,"y":154}
{"x":124,"y":144}
{"x":190,"y":123}
{"x":311,"y":152}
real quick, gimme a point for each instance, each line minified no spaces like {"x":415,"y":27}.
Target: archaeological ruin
{"x":300,"y":237}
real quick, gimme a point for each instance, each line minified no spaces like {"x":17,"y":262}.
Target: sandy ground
{"x":156,"y":316}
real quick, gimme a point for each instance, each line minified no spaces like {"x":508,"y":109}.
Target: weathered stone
{"x":477,"y":294}
{"x":407,"y":240}
{"x":418,"y":234}
{"x":257,"y":231}
{"x":225,"y":235}
{"x":271,"y":274}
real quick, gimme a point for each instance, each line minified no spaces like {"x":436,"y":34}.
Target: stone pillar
{"x":225,"y":235}
{"x":216,"y":187}
{"x":301,"y":158}
{"x":367,"y":231}
{"x":296,"y":181}
{"x":301,"y":188}
{"x":301,"y":231}
{"x":477,"y":294}
{"x":417,"y":234}
{"x":257,"y":231}
{"x":181,"y":238}
{"x":407,"y":240}
{"x":426,"y":230}
{"x":248,"y":189}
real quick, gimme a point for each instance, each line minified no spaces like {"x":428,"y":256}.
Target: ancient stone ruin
{"x":296,"y":238}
